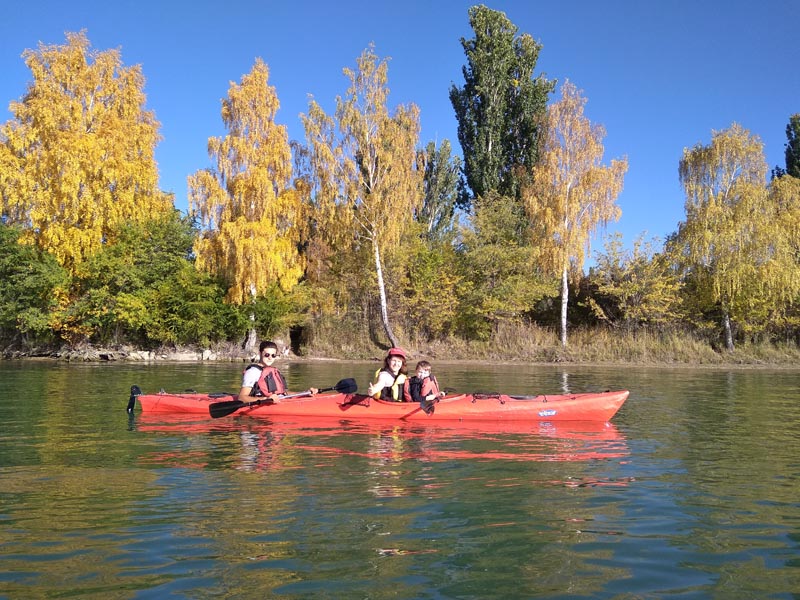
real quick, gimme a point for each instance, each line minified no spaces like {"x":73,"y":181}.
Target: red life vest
{"x":419,"y":388}
{"x":270,"y":381}
{"x":430,"y":386}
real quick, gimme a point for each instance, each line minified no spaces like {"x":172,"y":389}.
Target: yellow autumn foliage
{"x":570,"y":193}
{"x":740,"y":238}
{"x":251,"y":218}
{"x":77,"y":160}
{"x":362,"y":166}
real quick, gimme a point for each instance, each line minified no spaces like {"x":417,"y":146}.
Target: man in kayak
{"x":262,"y":379}
{"x":391,"y":378}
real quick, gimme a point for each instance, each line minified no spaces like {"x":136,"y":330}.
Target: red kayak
{"x":342,"y":404}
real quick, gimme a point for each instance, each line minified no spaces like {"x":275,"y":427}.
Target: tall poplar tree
{"x":251,"y":216}
{"x":362,"y":168}
{"x":571,"y":193}
{"x":501,"y":106}
{"x":792,"y":151}
{"x":736,"y":243}
{"x":440,"y":189}
{"x":77,"y":160}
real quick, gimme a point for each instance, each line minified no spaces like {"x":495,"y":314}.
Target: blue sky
{"x":658,"y":75}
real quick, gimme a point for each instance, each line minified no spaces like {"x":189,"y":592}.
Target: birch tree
{"x":251,"y":217}
{"x":362,"y":169}
{"x":571,"y":193}
{"x":784,"y":195}
{"x":77,"y":159}
{"x":738,"y":242}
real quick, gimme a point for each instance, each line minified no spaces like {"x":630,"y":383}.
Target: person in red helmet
{"x":391,"y":378}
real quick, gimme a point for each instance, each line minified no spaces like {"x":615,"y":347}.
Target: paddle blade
{"x":223,"y":409}
{"x":135,"y":392}
{"x":346,"y":386}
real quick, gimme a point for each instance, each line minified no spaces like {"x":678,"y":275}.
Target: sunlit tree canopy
{"x":571,"y":192}
{"x":77,"y":159}
{"x":251,"y":217}
{"x":362,"y":166}
{"x":735,"y":244}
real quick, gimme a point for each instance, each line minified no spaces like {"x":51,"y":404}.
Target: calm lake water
{"x":693,"y":491}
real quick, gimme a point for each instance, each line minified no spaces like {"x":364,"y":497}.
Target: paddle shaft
{"x":222,"y":409}
{"x":428,"y":404}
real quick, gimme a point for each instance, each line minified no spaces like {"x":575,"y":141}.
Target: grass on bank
{"x":532,"y":343}
{"x":522,"y":343}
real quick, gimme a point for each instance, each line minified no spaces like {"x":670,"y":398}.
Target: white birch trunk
{"x":726,"y":324}
{"x":382,"y":292}
{"x":564,"y":301}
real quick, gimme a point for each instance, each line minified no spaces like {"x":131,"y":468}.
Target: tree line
{"x":360,"y":229}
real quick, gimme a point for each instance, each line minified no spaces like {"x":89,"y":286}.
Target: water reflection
{"x":260,"y":445}
{"x":691,"y":492}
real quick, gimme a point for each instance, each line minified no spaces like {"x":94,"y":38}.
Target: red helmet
{"x":397,"y":352}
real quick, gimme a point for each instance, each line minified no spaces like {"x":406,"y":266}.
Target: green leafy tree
{"x":792,"y":149}
{"x":440,"y":188}
{"x":278,"y":311}
{"x":28,"y":281}
{"x":500,"y":108}
{"x":190,"y":308}
{"x":641,"y":285}
{"x":499,"y":283}
{"x":111,"y":295}
{"x":430,"y":280}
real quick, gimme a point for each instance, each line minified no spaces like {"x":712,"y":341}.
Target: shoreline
{"x":186,"y":355}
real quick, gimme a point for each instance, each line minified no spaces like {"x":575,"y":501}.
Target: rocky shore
{"x":92,"y":354}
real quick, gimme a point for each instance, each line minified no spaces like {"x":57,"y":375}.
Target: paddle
{"x":223,"y":409}
{"x":427,"y":405}
{"x":135,"y":392}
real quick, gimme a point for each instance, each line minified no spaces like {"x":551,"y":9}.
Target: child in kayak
{"x":424,"y":388}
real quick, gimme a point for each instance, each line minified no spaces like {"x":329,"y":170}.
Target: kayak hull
{"x":590,"y":406}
